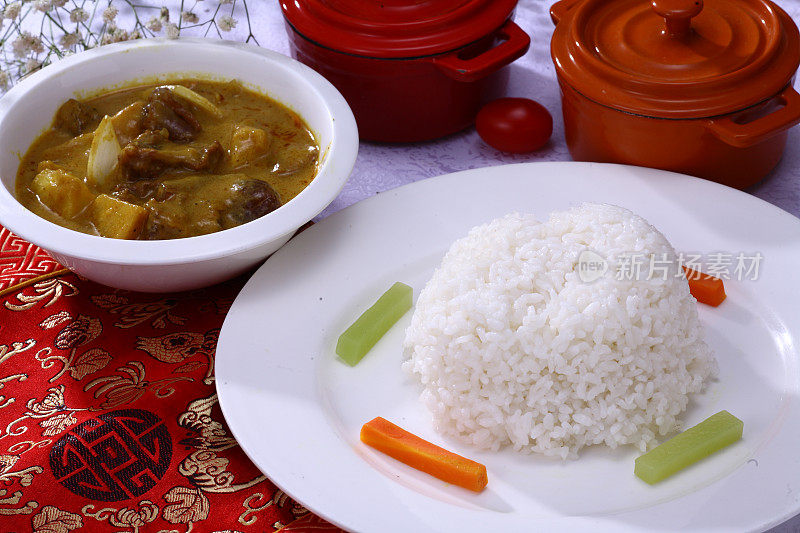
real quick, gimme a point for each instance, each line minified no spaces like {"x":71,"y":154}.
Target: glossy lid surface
{"x":396,"y":28}
{"x":676,"y":58}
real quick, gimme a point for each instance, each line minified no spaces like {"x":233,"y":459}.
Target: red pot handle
{"x":516,"y":44}
{"x":761,"y":129}
{"x":559,"y":9}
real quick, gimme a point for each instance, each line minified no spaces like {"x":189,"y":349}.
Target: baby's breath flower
{"x":222,"y":2}
{"x":118,"y":35}
{"x":43,"y":5}
{"x":115,"y":35}
{"x":5,"y":80}
{"x":68,"y":40}
{"x":32,"y":64}
{"x":189,"y":17}
{"x":164,"y":14}
{"x":154,"y":24}
{"x":78,"y":15}
{"x":226,"y":23}
{"x":110,"y":13}
{"x":20,"y":47}
{"x":58,"y":3}
{"x":12,"y":10}
{"x":25,"y":43}
{"x":172,"y":31}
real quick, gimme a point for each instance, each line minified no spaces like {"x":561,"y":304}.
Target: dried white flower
{"x":115,"y":35}
{"x":43,"y":5}
{"x":110,"y":13}
{"x":31,"y":65}
{"x":222,"y":2}
{"x":58,"y":3}
{"x":5,"y":80}
{"x":68,"y":40}
{"x":164,"y":15}
{"x":172,"y":31}
{"x":78,"y":15}
{"x":25,"y":43}
{"x":12,"y":10}
{"x":154,"y":24}
{"x":189,"y":17}
{"x":20,"y":47}
{"x":120,"y":35}
{"x":226,"y":23}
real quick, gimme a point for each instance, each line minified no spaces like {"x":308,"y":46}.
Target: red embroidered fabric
{"x":109,"y":418}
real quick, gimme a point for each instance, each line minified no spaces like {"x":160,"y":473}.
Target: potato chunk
{"x":248,"y":144}
{"x":62,"y":192}
{"x":117,"y":219}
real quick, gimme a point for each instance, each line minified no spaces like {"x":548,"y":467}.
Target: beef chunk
{"x":250,"y":199}
{"x":148,"y":156}
{"x":135,"y":191}
{"x":75,"y":117}
{"x":202,"y":204}
{"x":164,"y":111}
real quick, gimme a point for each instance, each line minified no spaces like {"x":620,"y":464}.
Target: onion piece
{"x":103,"y":154}
{"x":196,"y":99}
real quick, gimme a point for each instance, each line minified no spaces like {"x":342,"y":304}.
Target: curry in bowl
{"x":166,"y":161}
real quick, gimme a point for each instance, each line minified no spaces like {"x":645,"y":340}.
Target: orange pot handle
{"x":516,"y":44}
{"x":559,"y":9}
{"x":760,"y":129}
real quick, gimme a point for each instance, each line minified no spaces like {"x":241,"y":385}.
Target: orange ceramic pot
{"x":678,"y":85}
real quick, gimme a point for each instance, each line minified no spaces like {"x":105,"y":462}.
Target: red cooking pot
{"x":411,"y":70}
{"x":702,"y":87}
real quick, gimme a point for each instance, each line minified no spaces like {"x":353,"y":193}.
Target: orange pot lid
{"x":675,"y":58}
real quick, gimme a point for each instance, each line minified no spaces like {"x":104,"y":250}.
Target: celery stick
{"x":707,"y":437}
{"x":373,"y":323}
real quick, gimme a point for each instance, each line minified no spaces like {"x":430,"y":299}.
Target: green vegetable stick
{"x":707,"y":437}
{"x":373,"y":323}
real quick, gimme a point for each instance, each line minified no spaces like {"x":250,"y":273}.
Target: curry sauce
{"x":167,"y":161}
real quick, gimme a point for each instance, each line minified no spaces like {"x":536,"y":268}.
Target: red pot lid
{"x":675,"y":58}
{"x":396,"y":28}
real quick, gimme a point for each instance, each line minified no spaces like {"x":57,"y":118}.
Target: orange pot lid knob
{"x":678,"y":15}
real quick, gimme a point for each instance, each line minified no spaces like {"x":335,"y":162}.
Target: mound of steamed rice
{"x":512,"y":347}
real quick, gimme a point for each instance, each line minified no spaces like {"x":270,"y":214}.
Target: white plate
{"x":297,"y":410}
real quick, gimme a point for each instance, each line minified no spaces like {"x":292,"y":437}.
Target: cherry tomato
{"x":515,"y":125}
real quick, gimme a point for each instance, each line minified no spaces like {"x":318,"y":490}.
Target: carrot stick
{"x":418,"y":453}
{"x":707,"y":289}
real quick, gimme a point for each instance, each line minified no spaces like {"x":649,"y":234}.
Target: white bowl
{"x":180,"y":264}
